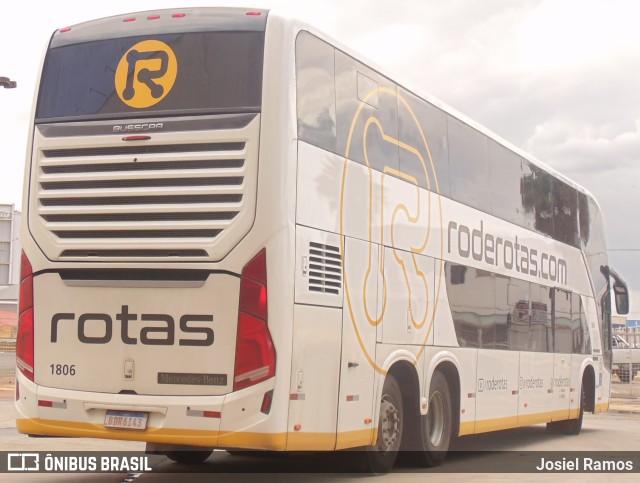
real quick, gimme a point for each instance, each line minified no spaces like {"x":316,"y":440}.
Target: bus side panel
{"x":362,"y":311}
{"x":315,"y":375}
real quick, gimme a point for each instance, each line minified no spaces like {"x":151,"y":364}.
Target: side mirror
{"x":621,"y":294}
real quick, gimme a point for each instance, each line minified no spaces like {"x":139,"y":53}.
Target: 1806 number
{"x":63,"y":369}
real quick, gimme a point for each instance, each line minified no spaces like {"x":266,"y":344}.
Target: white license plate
{"x":126,"y":420}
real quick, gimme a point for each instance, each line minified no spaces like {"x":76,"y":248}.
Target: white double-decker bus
{"x":240,"y":235}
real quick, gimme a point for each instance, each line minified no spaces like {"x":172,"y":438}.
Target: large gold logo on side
{"x":424,"y":218}
{"x":146,"y":74}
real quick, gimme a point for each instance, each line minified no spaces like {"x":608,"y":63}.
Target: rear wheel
{"x":189,"y":457}
{"x":437,"y":425}
{"x":381,"y":457}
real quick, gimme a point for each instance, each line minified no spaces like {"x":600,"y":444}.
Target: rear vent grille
{"x":141,"y":183}
{"x":146,"y":149}
{"x":143,"y":166}
{"x":325,"y":268}
{"x":142,"y":201}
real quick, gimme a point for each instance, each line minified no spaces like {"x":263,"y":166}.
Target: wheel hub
{"x":389,"y":425}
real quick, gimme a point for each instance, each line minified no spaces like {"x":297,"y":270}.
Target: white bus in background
{"x":240,"y":235}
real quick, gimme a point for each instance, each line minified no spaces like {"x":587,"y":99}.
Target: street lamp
{"x":7,"y":83}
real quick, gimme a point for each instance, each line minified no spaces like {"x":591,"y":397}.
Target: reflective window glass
{"x":541,"y":330}
{"x":367,"y":115}
{"x":563,"y":331}
{"x":468,"y":165}
{"x":316,"y":97}
{"x":506,"y":184}
{"x":565,"y":216}
{"x":424,"y":152}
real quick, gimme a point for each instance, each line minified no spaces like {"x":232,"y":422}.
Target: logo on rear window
{"x":146,"y":73}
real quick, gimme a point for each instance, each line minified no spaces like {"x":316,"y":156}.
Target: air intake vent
{"x":325,"y":268}
{"x":186,"y":195}
{"x":145,"y":149}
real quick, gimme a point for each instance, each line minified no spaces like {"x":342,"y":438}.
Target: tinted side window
{"x":504,"y":313}
{"x":471,"y":297}
{"x":536,"y":189}
{"x":469,"y":165}
{"x":364,"y":93}
{"x":427,"y":134}
{"x":316,"y":96}
{"x":579,"y":327}
{"x":519,"y":306}
{"x":506,"y":184}
{"x":562,"y":322}
{"x":541,"y":322}
{"x":583,"y":219}
{"x":565,"y":216}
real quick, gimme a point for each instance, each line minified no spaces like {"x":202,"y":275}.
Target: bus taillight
{"x":24,"y":342}
{"x":255,"y":353}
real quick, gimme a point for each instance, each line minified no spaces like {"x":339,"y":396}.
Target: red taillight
{"x":255,"y":298}
{"x":255,"y":353}
{"x":24,"y":341}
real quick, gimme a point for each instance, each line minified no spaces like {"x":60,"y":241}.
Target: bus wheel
{"x":189,"y":457}
{"x":437,"y":424}
{"x":381,"y":457}
{"x":570,"y":426}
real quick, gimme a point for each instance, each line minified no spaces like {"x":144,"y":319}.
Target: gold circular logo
{"x":146,"y":73}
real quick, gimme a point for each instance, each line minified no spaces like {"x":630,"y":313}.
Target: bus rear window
{"x":186,"y":73}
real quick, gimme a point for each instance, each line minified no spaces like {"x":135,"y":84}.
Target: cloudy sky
{"x":558,"y":78}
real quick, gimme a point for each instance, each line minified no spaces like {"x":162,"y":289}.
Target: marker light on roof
{"x":66,"y":29}
{"x":178,"y":15}
{"x":129,"y":19}
{"x":153,"y":17}
{"x":254,"y":13}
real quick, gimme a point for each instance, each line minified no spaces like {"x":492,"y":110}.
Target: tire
{"x":381,"y":457}
{"x":437,"y":426}
{"x":189,"y":457}
{"x":571,"y":426}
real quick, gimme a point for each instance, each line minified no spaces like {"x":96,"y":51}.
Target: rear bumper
{"x":230,"y":421}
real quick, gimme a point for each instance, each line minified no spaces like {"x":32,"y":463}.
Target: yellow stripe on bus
{"x":497,"y":424}
{"x":293,"y":441}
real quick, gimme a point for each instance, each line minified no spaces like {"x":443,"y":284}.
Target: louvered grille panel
{"x":156,"y":200}
{"x":325,"y":268}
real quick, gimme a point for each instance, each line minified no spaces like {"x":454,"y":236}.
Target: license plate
{"x":126,"y":420}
